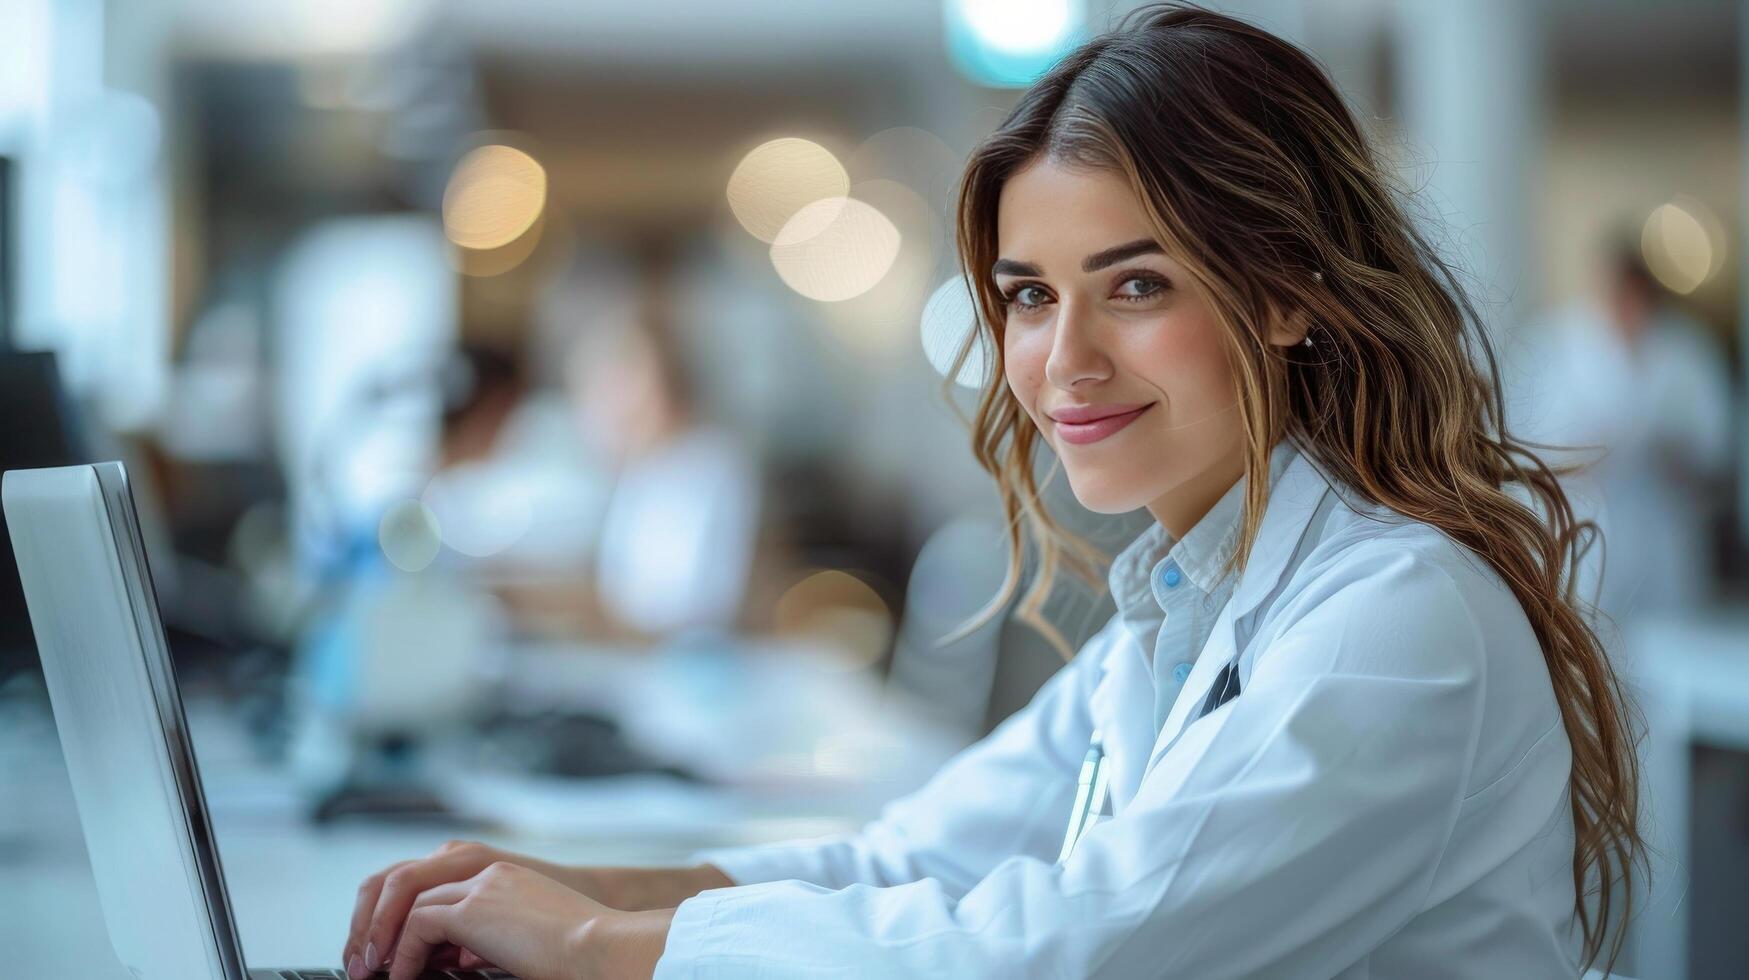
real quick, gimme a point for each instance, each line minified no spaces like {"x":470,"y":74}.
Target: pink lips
{"x":1083,"y":424}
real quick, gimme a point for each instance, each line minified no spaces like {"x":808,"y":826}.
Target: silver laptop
{"x":76,"y":537}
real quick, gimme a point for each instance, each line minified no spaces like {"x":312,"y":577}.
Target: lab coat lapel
{"x":1123,"y":710}
{"x":1291,"y":506}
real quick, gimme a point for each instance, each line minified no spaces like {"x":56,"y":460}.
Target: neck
{"x":1180,"y":508}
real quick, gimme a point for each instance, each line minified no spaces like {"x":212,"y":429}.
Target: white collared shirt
{"x":1387,"y":797}
{"x":1170,"y":591}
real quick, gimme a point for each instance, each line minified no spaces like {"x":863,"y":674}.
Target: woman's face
{"x":1112,"y":350}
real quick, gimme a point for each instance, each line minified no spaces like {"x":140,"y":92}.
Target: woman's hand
{"x":385,"y":898}
{"x":524,"y":922}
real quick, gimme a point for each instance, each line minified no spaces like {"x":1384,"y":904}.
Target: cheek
{"x":1186,"y":358}
{"x":1023,"y":364}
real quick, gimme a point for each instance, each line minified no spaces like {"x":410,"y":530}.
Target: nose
{"x":1076,"y":357}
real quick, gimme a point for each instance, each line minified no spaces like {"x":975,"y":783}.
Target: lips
{"x":1084,"y":424}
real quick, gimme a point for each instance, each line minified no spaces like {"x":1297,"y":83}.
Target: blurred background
{"x":539,"y":417}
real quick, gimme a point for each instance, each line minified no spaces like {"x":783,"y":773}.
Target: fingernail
{"x":355,"y":968}
{"x":370,"y":956}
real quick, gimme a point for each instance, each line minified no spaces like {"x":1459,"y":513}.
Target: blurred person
{"x":673,"y":497}
{"x":1347,"y":721}
{"x":677,"y":539}
{"x":514,"y":490}
{"x":1629,"y":374}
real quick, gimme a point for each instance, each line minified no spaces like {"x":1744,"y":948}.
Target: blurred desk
{"x":292,"y":892}
{"x":291,"y":884}
{"x":1691,"y":678}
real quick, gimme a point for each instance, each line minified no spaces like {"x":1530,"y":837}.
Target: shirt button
{"x":1171,"y":576}
{"x":1181,"y":673}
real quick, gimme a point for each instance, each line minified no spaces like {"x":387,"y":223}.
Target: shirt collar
{"x":1204,"y":551}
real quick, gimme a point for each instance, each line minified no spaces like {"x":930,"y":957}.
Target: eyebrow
{"x":1092,"y":263}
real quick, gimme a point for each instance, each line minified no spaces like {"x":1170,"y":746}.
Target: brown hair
{"x":1253,"y":172}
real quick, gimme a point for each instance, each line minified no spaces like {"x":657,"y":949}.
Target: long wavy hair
{"x":1253,"y":172}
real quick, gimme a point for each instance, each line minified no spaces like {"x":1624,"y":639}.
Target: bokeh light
{"x":835,"y":248}
{"x":485,"y":262}
{"x":958,"y":571}
{"x":477,"y":513}
{"x":1018,"y":26}
{"x":409,"y":536}
{"x":777,"y":179}
{"x":948,"y":318}
{"x":495,"y":194}
{"x":916,"y":158}
{"x":880,"y":321}
{"x":1683,"y":244}
{"x":842,"y":611}
{"x":1009,"y":42}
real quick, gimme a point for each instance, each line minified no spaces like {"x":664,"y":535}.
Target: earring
{"x":1317,"y":276}
{"x":1307,"y":342}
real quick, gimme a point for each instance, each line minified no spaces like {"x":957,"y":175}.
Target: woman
{"x":1348,"y":720}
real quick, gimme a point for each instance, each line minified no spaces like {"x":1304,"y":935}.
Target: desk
{"x":291,"y":884}
{"x":1691,"y":679}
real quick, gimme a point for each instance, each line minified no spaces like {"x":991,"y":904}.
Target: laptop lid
{"x":113,"y":691}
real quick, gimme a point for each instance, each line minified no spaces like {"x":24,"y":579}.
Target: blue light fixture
{"x":1010,"y":43}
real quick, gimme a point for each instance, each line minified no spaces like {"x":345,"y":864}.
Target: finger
{"x":362,"y":908}
{"x":426,"y":929}
{"x":470,"y":960}
{"x":445,"y":894}
{"x":400,"y":888}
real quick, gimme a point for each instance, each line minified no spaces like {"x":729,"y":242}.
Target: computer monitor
{"x":42,"y":429}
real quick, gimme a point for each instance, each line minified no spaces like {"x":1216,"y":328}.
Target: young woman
{"x":1348,"y":720}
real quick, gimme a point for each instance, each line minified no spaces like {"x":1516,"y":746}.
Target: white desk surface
{"x":1689,"y":676}
{"x":291,"y":884}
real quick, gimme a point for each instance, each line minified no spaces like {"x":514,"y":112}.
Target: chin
{"x":1102,"y":494}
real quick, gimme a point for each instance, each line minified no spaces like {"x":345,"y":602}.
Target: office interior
{"x":546,"y":428}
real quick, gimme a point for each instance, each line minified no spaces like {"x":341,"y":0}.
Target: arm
{"x":642,"y":889}
{"x":1008,"y":794}
{"x":1286,"y":834}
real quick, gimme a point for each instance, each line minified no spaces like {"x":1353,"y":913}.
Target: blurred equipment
{"x":390,"y":670}
{"x":8,"y":251}
{"x":122,"y":728}
{"x":40,"y":431}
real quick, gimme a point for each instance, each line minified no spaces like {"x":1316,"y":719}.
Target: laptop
{"x":76,"y":537}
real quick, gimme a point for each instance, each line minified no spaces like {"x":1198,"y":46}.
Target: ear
{"x":1288,"y":330}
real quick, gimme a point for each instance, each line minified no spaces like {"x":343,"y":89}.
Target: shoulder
{"x":1387,"y":592}
{"x":1367,"y":542}
{"x":1380,"y":597}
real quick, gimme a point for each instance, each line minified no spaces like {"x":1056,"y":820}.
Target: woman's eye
{"x":1027,"y":298}
{"x":1147,"y":287}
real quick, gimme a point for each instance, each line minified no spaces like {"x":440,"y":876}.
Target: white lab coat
{"x":1387,"y":797}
